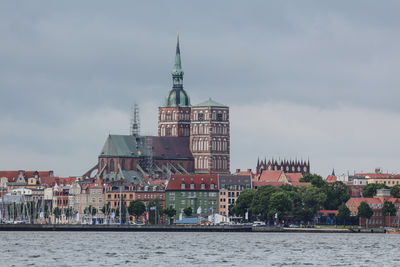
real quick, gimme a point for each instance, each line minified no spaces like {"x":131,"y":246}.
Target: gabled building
{"x":198,"y":191}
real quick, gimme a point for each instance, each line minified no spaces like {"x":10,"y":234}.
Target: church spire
{"x":177,"y":97}
{"x":177,"y":72}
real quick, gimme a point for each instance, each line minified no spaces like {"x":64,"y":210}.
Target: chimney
{"x":237,"y":170}
{"x":248,"y":170}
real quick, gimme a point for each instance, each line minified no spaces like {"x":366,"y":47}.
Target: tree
{"x":343,"y":214}
{"x":69,"y":212}
{"x":155,"y":215}
{"x":365,"y":211}
{"x":243,"y":203}
{"x":260,"y":204}
{"x":280,"y":204}
{"x":370,"y":189}
{"x":188,"y":211}
{"x":57,"y":212}
{"x":136,"y":208}
{"x":395,"y":191}
{"x":336,"y":194}
{"x":388,"y":209}
{"x":315,"y":179}
{"x":307,"y":204}
{"x":170,"y":212}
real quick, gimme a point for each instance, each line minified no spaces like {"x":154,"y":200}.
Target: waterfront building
{"x":198,"y":191}
{"x":376,"y":204}
{"x":230,"y":187}
{"x":118,"y":192}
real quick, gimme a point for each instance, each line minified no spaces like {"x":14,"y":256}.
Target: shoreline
{"x":175,"y":228}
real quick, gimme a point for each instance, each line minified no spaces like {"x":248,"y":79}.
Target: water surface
{"x":203,"y":249}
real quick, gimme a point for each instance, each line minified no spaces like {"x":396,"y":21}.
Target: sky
{"x":315,"y":80}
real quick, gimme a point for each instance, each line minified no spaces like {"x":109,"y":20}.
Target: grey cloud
{"x":62,"y":61}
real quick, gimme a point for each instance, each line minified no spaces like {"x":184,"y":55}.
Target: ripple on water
{"x":205,"y":249}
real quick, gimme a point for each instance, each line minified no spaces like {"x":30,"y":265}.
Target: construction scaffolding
{"x":135,"y":121}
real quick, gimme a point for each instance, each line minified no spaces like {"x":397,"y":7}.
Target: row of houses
{"x":356,"y":183}
{"x":205,"y":194}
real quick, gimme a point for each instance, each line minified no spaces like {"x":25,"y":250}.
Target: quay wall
{"x":177,"y":228}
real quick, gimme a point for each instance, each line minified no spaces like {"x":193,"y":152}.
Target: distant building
{"x":288,"y":166}
{"x":198,"y":191}
{"x":230,"y":187}
{"x":376,"y":204}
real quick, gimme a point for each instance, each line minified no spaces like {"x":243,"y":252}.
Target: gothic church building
{"x":191,"y":139}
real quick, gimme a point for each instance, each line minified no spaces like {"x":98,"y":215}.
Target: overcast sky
{"x":303,"y":79}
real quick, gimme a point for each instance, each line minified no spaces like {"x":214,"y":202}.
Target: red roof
{"x":294,"y":177}
{"x":248,"y":172}
{"x":301,"y":184}
{"x":157,"y":182}
{"x":51,"y":181}
{"x":331,"y":179}
{"x":356,"y":201}
{"x":327,"y":212}
{"x":273,"y":183}
{"x":176,"y":181}
{"x":378,"y":175}
{"x":13,"y":175}
{"x":270,"y":176}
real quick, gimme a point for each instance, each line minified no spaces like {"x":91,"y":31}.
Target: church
{"x":191,"y":139}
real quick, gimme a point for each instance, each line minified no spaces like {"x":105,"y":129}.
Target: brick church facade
{"x":191,"y":139}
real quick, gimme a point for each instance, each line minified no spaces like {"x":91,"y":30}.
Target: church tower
{"x":210,"y":137}
{"x":174,"y":116}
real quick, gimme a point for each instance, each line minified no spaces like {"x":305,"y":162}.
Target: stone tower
{"x":210,"y":137}
{"x":174,"y":116}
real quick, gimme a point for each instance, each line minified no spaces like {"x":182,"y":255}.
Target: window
{"x":182,"y":186}
{"x":219,"y":116}
{"x":203,"y":186}
{"x":191,"y":186}
{"x":200,"y":116}
{"x":182,"y":202}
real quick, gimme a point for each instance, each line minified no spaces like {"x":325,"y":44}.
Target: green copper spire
{"x":177,"y":70}
{"x":177,"y":97}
